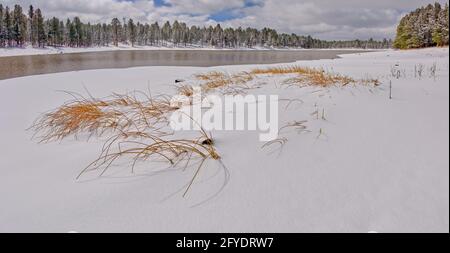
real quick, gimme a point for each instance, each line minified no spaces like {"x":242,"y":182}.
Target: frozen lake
{"x":18,"y":66}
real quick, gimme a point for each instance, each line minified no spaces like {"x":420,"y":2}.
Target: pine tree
{"x":8,"y":26}
{"x":31,"y":26}
{"x":131,"y":32}
{"x":155,"y":34}
{"x":18,"y":26}
{"x":72,"y":33}
{"x":53,"y":33}
{"x":115,"y":24}
{"x":166,"y":32}
{"x":424,"y":27}
{"x":40,"y":29}
{"x":176,"y":31}
{"x":78,"y":29}
{"x":2,"y":28}
{"x":106,"y":35}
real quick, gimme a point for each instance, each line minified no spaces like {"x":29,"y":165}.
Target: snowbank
{"x":371,"y":164}
{"x":4,"y":52}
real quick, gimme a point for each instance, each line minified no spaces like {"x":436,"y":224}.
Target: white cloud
{"x":202,"y":6}
{"x":327,"y":19}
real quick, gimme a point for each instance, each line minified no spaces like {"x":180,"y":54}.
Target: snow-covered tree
{"x":426,"y":26}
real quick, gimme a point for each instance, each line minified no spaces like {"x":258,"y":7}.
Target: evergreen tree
{"x":8,"y":26}
{"x":2,"y":26}
{"x":426,"y":26}
{"x":78,"y":31}
{"x":31,"y":26}
{"x":53,"y":31}
{"x":166,"y":32}
{"x":115,"y":26}
{"x":176,"y":33}
{"x":72,"y":33}
{"x":155,"y":34}
{"x":40,"y":29}
{"x":131,"y":32}
{"x":18,"y":26}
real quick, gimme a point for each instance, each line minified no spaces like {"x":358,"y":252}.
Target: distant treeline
{"x":18,"y":29}
{"x":424,"y":27}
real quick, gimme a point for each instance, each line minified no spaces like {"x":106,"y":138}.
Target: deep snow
{"x":378,"y":164}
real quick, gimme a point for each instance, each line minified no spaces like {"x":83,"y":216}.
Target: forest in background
{"x":425,"y":27}
{"x":18,"y":29}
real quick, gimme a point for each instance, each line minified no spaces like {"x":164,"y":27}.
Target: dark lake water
{"x":17,"y":66}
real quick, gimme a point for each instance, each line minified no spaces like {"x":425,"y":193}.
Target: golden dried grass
{"x":213,"y":75}
{"x":231,"y":83}
{"x":138,"y":124}
{"x":96,"y":116}
{"x":74,"y":118}
{"x":370,"y":81}
{"x":281,"y":70}
{"x":185,"y":90}
{"x":313,"y":76}
{"x":306,"y":76}
{"x":145,"y":147}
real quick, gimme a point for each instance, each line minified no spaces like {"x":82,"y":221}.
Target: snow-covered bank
{"x":370,"y":163}
{"x":4,"y":52}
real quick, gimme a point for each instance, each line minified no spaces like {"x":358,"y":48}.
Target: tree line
{"x":18,"y":29}
{"x":425,"y":27}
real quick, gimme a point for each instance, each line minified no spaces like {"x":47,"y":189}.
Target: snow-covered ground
{"x":29,"y":50}
{"x":371,"y":164}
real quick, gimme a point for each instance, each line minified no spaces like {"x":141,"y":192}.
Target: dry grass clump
{"x":143,"y":114}
{"x":210,"y":76}
{"x":185,"y":90}
{"x":281,"y":70}
{"x":215,"y":84}
{"x":370,"y":81}
{"x":313,"y":76}
{"x":230,"y":83}
{"x":96,"y":116}
{"x":306,"y":76}
{"x":138,"y":125}
{"x":242,"y":77}
{"x":74,"y":118}
{"x":214,"y":80}
{"x":318,"y":78}
{"x":146,"y":147}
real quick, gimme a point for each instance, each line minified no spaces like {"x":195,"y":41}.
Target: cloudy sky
{"x":325,"y":19}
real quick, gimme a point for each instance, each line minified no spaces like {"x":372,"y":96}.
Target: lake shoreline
{"x":28,"y":51}
{"x":28,"y":65}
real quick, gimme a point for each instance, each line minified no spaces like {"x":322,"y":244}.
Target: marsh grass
{"x":185,"y":90}
{"x":229,"y":84}
{"x":303,"y":76}
{"x":136,"y":127}
{"x":117,"y":113}
{"x":139,"y":146}
{"x":306,"y":76}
